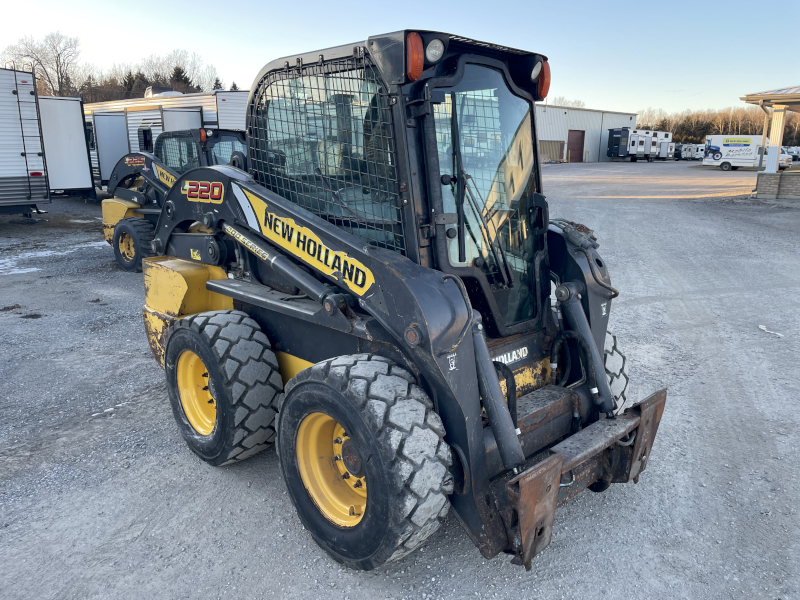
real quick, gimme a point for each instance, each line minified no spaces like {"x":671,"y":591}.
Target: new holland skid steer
{"x":140,"y":182}
{"x":385,"y":297}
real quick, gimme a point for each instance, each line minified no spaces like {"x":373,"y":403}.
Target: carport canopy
{"x":780,"y":101}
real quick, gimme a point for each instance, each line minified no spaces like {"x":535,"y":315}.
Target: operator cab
{"x":192,"y":148}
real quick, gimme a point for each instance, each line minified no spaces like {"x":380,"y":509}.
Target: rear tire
{"x":131,"y":242}
{"x":397,"y":438}
{"x":241,"y":381}
{"x":726,"y":166}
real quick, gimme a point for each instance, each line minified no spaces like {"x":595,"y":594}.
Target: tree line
{"x":59,"y":71}
{"x":692,"y":126}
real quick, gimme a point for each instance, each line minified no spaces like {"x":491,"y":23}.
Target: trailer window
{"x":325,"y":140}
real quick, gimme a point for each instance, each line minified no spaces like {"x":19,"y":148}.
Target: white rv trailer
{"x":688,"y":150}
{"x":121,"y":126}
{"x":23,"y":171}
{"x":69,"y":168}
{"x":666,"y":150}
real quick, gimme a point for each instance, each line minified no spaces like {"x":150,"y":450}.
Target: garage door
{"x":575,"y":145}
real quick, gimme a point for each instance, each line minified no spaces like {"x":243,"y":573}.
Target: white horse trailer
{"x":69,"y":167}
{"x":118,"y":127}
{"x":23,"y":168}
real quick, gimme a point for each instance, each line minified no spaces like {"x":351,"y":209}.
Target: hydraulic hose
{"x":511,"y":389}
{"x":587,"y":354}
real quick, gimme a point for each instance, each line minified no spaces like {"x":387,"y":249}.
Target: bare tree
{"x":55,"y":59}
{"x":562,"y":101}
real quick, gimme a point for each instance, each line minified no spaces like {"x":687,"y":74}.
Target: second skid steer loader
{"x":385,"y":297}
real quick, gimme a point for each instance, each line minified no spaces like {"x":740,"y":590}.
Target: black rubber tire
{"x":142,"y":232}
{"x":392,"y":421}
{"x":617,"y":371}
{"x":717,"y":155}
{"x":726,"y":166}
{"x":243,"y":379}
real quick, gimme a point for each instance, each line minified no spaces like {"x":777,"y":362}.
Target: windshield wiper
{"x":461,"y":182}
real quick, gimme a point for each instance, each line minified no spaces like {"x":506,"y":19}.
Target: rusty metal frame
{"x":607,"y":451}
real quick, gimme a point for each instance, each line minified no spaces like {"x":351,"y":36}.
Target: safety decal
{"x":165,"y":176}
{"x":307,"y":246}
{"x":258,"y":251}
{"x":195,"y":254}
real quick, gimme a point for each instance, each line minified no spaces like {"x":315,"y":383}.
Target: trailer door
{"x":180,"y":119}
{"x":111,"y":137}
{"x":68,"y":166}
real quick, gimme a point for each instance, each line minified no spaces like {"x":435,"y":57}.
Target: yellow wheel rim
{"x":126,"y":246}
{"x":198,"y":405}
{"x":331,"y":470}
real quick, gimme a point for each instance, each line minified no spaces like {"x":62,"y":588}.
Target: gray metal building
{"x":577,"y":134}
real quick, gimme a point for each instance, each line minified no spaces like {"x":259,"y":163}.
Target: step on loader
{"x":384,"y":297}
{"x":140,"y":182}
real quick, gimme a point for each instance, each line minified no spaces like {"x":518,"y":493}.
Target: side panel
{"x":137,"y":119}
{"x":23,"y":175}
{"x":111,"y":135}
{"x":231,"y":110}
{"x":68,"y":165}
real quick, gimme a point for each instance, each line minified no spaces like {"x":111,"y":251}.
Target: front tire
{"x":363,"y":458}
{"x":223,"y":384}
{"x":617,"y":372}
{"x":726,"y":166}
{"x":131,"y":242}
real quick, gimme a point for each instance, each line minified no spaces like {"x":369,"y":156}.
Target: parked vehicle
{"x":729,"y":152}
{"x":23,"y":170}
{"x":122,"y":126}
{"x":678,"y":152}
{"x":305,"y":303}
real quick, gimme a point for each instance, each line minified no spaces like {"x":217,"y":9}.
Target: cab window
{"x":177,"y":152}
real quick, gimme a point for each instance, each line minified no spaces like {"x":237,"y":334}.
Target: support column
{"x":763,"y":137}
{"x":775,"y":138}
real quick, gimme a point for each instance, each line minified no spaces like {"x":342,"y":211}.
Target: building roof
{"x":788,"y":96}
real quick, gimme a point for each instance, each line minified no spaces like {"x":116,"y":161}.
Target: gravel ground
{"x":100,"y":498}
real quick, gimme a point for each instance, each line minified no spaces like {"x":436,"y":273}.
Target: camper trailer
{"x":23,"y":171}
{"x":121,"y":126}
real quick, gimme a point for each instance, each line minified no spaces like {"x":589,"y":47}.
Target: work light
{"x":435,"y":50}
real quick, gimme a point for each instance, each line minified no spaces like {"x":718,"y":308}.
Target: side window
{"x":145,"y":139}
{"x":324,"y":139}
{"x":177,"y":152}
{"x":223,"y":150}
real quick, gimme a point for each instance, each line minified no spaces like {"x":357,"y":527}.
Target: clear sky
{"x":673,"y":54}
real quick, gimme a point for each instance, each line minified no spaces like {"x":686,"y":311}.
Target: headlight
{"x":434,"y":51}
{"x":537,"y":68}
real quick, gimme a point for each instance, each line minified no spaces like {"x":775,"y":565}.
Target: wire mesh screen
{"x":177,"y":152}
{"x":322,"y":137}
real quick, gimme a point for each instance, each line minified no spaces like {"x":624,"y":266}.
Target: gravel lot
{"x":100,"y":498}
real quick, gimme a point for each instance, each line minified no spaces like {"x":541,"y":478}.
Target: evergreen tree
{"x":234,"y":87}
{"x":218,"y":84}
{"x":128,"y":82}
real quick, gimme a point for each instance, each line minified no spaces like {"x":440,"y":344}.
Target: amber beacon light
{"x":415,"y":56}
{"x":544,"y":80}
